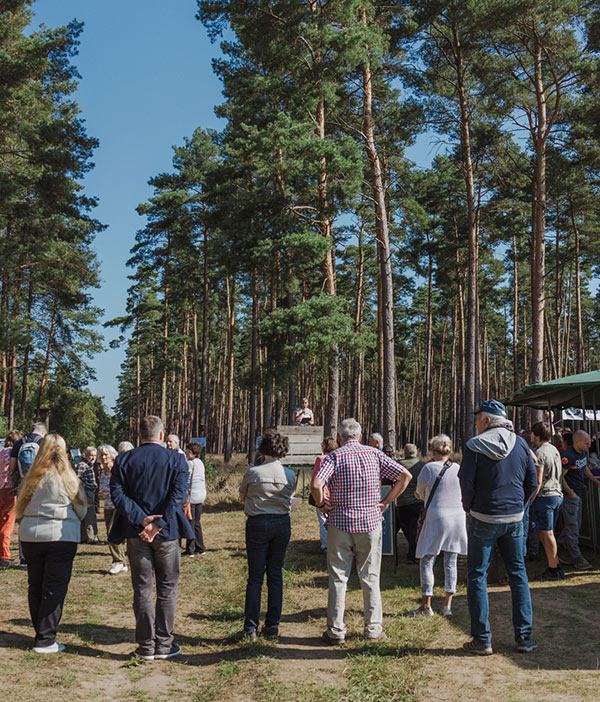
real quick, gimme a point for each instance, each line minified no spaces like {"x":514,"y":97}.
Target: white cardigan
{"x":50,"y":514}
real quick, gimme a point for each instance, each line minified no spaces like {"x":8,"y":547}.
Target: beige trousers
{"x":117,"y":551}
{"x":342,"y":548}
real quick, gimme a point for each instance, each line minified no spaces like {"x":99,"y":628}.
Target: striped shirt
{"x":353,"y":474}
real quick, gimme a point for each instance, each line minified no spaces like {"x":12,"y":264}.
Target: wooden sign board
{"x":305,"y":444}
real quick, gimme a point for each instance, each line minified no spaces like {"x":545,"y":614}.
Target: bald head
{"x":581,"y":441}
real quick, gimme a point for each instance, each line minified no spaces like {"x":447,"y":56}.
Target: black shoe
{"x":22,"y":565}
{"x":8,"y":563}
{"x":270,"y":632}
{"x":411,"y":561}
{"x":175,"y":651}
{"x":551,"y":575}
{"x":331,"y":640}
{"x":526,"y":645}
{"x":142,"y":654}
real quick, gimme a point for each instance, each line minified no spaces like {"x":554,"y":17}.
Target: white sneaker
{"x":118,"y":568}
{"x":420,"y":612}
{"x":53,"y":648}
{"x":446,"y":611}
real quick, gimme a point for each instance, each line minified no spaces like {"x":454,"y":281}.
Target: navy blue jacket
{"x":149,"y":480}
{"x":497,"y":487}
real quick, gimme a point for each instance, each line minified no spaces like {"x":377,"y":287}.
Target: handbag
{"x":187,"y":507}
{"x":423,"y":512}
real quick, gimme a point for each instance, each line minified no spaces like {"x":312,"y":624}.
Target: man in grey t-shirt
{"x":546,"y":504}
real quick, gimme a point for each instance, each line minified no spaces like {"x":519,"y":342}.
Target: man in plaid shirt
{"x":87,"y":475}
{"x":353,"y":474}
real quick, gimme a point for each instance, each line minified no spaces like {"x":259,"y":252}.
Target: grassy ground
{"x":421,"y":660}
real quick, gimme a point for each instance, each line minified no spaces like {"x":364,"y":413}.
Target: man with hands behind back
{"x":148,"y":486}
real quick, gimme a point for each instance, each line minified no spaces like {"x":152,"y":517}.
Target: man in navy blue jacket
{"x":148,"y":486}
{"x":497,"y":480}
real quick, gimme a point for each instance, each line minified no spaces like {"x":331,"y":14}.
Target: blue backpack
{"x":26,"y":456}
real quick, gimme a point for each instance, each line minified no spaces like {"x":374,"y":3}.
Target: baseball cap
{"x":492,"y":407}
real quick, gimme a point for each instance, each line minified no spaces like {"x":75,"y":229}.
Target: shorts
{"x":544,"y":512}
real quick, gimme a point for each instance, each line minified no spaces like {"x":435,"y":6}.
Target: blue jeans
{"x":482,"y":538}
{"x":267,"y":537}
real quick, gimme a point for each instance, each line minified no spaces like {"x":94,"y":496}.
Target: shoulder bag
{"x":423,"y":512}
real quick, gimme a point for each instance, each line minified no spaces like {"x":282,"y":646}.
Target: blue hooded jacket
{"x":497,"y":473}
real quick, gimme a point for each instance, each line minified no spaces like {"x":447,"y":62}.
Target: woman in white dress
{"x":444,"y":528}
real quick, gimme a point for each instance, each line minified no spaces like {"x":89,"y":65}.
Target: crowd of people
{"x":153,"y":497}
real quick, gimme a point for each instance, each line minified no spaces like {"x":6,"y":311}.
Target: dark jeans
{"x":89,"y":525}
{"x":407,"y":517}
{"x":154,"y":626}
{"x":196,"y":545}
{"x":267,"y":537}
{"x":482,"y":538}
{"x":49,"y":566}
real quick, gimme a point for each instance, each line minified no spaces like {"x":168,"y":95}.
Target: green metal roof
{"x":561,"y":392}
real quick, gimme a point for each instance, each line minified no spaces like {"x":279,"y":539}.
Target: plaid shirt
{"x":353,"y":474}
{"x":85,"y":473}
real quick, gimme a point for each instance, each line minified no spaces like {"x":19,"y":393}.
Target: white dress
{"x":445,"y":527}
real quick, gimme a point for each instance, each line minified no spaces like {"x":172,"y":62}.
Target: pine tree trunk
{"x":538,"y":232}
{"x":579,"y":354}
{"x":471,"y":388}
{"x":388,"y":419}
{"x":253,"y":369}
{"x":426,"y":402}
{"x":228,"y":424}
{"x":47,"y":359}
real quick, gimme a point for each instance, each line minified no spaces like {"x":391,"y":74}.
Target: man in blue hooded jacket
{"x":497,"y":479}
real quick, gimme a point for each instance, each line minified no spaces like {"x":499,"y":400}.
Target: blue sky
{"x":147,"y":83}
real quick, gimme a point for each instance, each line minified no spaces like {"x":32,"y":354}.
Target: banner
{"x":576,"y":415}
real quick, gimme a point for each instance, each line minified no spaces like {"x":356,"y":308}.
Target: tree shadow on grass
{"x":566,"y":624}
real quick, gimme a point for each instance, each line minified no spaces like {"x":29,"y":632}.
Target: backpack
{"x":27,"y":454}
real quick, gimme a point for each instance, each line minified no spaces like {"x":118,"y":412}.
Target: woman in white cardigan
{"x":51,"y":504}
{"x":444,"y":528}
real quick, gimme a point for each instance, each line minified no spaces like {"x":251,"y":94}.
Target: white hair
{"x":441,"y":444}
{"x":39,"y":428}
{"x":349,"y":429}
{"x":497,"y":421}
{"x":125,"y":446}
{"x":378,"y":438}
{"x":108,"y":449}
{"x":174,"y":438}
{"x":88,"y":450}
{"x":410,"y":450}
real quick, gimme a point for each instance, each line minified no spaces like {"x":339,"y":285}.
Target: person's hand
{"x":383,"y":506}
{"x":325,"y":508}
{"x":150,"y":518}
{"x":149,"y":532}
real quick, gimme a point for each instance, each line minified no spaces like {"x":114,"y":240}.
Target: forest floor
{"x":421,"y":660}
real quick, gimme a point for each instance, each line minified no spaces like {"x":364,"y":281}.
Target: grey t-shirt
{"x":548,"y":456}
{"x":269,"y":489}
